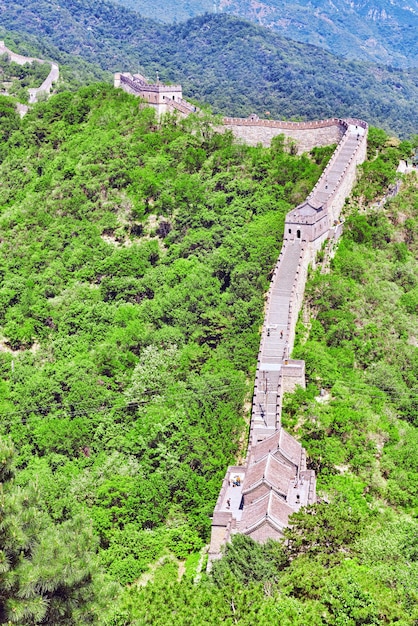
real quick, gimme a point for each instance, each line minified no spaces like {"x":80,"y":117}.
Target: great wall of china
{"x":46,"y":86}
{"x":257,"y":498}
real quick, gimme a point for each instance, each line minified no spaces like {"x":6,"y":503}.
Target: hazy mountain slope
{"x":74,"y":71}
{"x":236,"y":66}
{"x":233,"y":65}
{"x":374,"y":30}
{"x":169,"y":10}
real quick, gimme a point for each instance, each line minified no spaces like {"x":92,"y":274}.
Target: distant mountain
{"x":172,"y":11}
{"x":74,"y":71}
{"x":235,"y":66}
{"x":383,"y":31}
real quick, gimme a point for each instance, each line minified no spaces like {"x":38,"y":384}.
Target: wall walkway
{"x":267,"y":500}
{"x":46,"y":86}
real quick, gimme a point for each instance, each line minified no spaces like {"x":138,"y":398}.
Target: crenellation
{"x":163,"y":98}
{"x":257,"y":498}
{"x":306,"y":228}
{"x":307,"y":135}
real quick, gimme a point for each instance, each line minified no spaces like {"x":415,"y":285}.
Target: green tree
{"x":48,"y":574}
{"x":250,"y":562}
{"x":327,"y":531}
{"x":9,"y":118}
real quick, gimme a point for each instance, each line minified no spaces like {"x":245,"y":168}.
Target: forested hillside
{"x":74,"y":71}
{"x":352,"y":558}
{"x":235,"y":66}
{"x":134,"y":257}
{"x":16,"y":79}
{"x":383,"y":31}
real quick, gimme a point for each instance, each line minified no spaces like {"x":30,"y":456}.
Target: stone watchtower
{"x":161,"y":97}
{"x":309,"y":221}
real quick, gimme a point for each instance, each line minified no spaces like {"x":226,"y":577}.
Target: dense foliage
{"x":134,"y":259}
{"x":48,"y":572}
{"x":17,"y":79}
{"x":9,"y":118}
{"x":235,"y":66}
{"x":383,"y":32}
{"x":352,"y":558}
{"x":74,"y":71}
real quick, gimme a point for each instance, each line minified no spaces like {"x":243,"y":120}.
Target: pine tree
{"x":48,"y":573}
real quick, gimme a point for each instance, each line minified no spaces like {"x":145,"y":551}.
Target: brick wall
{"x":264,"y":532}
{"x":306,"y":135}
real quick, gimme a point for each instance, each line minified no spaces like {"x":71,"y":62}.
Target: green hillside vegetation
{"x":352,"y":558}
{"x":381,"y":32}
{"x":74,"y":71}
{"x":134,"y":259}
{"x":16,"y":79}
{"x":167,"y":11}
{"x":233,"y":65}
{"x":40,"y":582}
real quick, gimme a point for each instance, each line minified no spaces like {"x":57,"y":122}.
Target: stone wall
{"x":46,"y":86}
{"x":163,"y":98}
{"x":17,"y":58}
{"x":293,"y":375}
{"x":312,"y":222}
{"x":264,"y":532}
{"x":298,"y":289}
{"x":347,"y":182}
{"x":328,"y":196}
{"x":306,"y":135}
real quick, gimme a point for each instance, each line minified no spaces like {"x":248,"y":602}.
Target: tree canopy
{"x":134,"y":258}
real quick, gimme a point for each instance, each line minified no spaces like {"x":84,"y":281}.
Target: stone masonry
{"x":274,"y":482}
{"x":162,"y":98}
{"x":258,"y":497}
{"x":306,"y":135}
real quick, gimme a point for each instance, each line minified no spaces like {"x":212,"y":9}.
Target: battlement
{"x":304,"y":135}
{"x":161,"y":97}
{"x":277,"y":482}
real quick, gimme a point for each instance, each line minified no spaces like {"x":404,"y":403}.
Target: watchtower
{"x":161,"y":97}
{"x":308,"y":221}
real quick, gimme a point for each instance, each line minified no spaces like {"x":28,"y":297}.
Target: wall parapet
{"x":274,"y":365}
{"x":156,"y":88}
{"x":251,"y":121}
{"x":304,"y":135}
{"x":46,"y":86}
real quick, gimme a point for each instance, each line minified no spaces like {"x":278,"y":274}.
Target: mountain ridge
{"x":235,"y":66}
{"x":382,"y":32}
